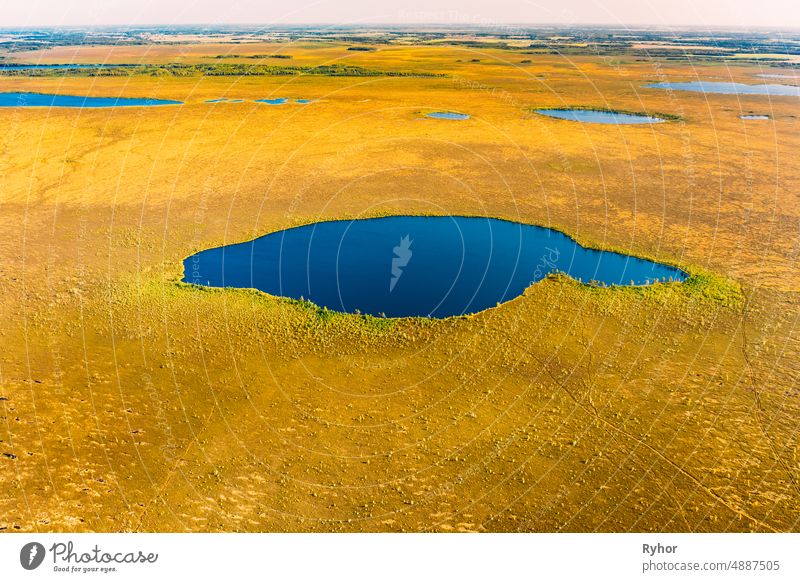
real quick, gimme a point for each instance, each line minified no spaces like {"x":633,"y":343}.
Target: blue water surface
{"x":278,"y":101}
{"x":595,"y":116}
{"x":448,"y":115}
{"x":26,"y":66}
{"x":730,"y":88}
{"x":413,"y":266}
{"x":50,"y":100}
{"x":778,"y":76}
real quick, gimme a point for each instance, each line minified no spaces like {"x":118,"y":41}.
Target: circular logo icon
{"x":31,"y":555}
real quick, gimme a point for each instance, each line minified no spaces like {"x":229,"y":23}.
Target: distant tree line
{"x":214,"y":70}
{"x":276,"y":56}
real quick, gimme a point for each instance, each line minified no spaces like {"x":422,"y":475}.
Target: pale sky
{"x":703,"y":13}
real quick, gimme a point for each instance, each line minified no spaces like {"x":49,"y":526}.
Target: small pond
{"x":758,"y":117}
{"x":599,"y":116}
{"x":778,"y":76}
{"x":278,"y":101}
{"x":730,"y":88}
{"x":447,"y":115}
{"x":50,"y":100}
{"x":404,"y":266}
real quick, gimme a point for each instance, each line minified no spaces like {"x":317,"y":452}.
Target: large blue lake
{"x":597,"y":116}
{"x":50,"y":100}
{"x":412,"y":266}
{"x":730,"y":88}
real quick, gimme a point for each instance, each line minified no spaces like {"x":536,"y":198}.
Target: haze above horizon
{"x":671,"y":13}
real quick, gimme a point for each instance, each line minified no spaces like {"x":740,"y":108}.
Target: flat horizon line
{"x":465,"y":26}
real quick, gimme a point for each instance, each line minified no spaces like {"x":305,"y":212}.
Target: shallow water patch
{"x":447,"y":115}
{"x":600,"y":116}
{"x":277,"y":101}
{"x":730,"y":88}
{"x":778,"y":76}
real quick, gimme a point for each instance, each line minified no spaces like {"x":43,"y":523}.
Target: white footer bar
{"x":400,"y":557}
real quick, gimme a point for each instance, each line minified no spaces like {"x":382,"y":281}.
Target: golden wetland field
{"x":131,"y":402}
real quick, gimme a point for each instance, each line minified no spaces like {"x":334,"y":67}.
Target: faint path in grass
{"x":593,"y":411}
{"x":759,"y":407}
